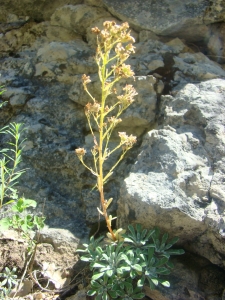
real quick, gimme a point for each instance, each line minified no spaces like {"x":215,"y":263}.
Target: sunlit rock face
{"x":168,"y":17}
{"x":177,"y":180}
{"x":174,"y":176}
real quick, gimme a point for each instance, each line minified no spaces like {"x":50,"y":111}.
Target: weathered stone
{"x":197,"y":66}
{"x":17,"y":96}
{"x":62,"y":240}
{"x":62,"y":60}
{"x":191,"y":278}
{"x":165,"y":18}
{"x":216,"y":43}
{"x":77,"y":17}
{"x":176,"y":182}
{"x":94,"y":2}
{"x":146,"y":35}
{"x":36,"y":10}
{"x":178,"y":46}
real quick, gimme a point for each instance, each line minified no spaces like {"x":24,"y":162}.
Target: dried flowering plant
{"x":114,"y":46}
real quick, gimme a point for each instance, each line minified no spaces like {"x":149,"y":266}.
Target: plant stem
{"x":100,"y":149}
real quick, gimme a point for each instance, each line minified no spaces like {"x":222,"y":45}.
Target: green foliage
{"x":18,"y":217}
{"x":120,"y":270}
{"x":2,"y":90}
{"x":11,"y":157}
{"x":8,"y":281}
{"x":20,"y":221}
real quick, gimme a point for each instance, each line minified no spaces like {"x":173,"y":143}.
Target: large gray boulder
{"x":183,"y":18}
{"x":177,"y":182}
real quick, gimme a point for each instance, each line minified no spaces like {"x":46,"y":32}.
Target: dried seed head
{"x":86,"y":79}
{"x":95,"y":30}
{"x":80,"y":152}
{"x":127,"y":141}
{"x":92,"y":108}
{"x":114,"y":120}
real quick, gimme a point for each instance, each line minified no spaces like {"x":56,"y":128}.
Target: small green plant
{"x":120,"y":270}
{"x":2,"y":90}
{"x":22,"y":221}
{"x":110,"y":58}
{"x":11,"y":157}
{"x":8,"y":282}
{"x":17,"y":217}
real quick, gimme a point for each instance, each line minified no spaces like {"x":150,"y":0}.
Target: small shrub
{"x":16,"y":210}
{"x":120,"y":270}
{"x":18,"y":218}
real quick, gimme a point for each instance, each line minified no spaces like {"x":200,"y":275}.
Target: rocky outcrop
{"x":176,"y":178}
{"x":184,"y":19}
{"x":178,"y":175}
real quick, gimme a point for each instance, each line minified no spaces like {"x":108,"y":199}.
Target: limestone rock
{"x":94,"y":2}
{"x":176,"y":182}
{"x":165,"y":18}
{"x":77,"y":17}
{"x":62,"y":240}
{"x":62,"y":60}
{"x":197,"y":66}
{"x":36,"y":10}
{"x":216,"y":42}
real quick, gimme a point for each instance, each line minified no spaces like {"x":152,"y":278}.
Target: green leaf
{"x":97,"y":276}
{"x":175,"y":251}
{"x":164,"y":283}
{"x":109,"y":273}
{"x":138,"y":296}
{"x":91,"y":292}
{"x":141,"y":281}
{"x":164,"y":239}
{"x":163,"y":271}
{"x":171,"y":243}
{"x":5,"y":223}
{"x":137,"y":267}
{"x":95,"y":284}
{"x":170,"y":264}
{"x":155,"y":281}
{"x":131,"y":228}
{"x":84,"y":258}
{"x":98,"y":297}
{"x":128,"y":240}
{"x":161,"y":262}
{"x":98,"y":265}
{"x":128,"y":285}
{"x":113,"y":294}
{"x":133,"y":274}
{"x":105,"y":296}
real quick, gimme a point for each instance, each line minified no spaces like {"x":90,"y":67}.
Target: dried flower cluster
{"x":110,"y":57}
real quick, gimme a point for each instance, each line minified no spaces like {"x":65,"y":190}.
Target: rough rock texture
{"x":36,"y":10}
{"x":216,"y":43}
{"x":177,"y":168}
{"x":169,"y":18}
{"x":179,"y":176}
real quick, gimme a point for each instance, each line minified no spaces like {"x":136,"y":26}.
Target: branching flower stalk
{"x":114,"y":46}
